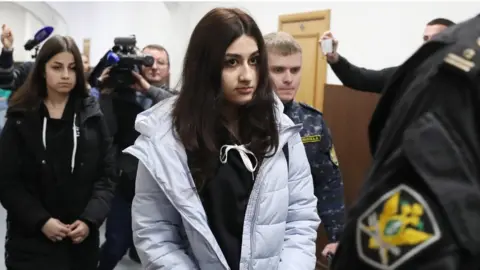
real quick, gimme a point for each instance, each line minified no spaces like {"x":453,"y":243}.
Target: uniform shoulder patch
{"x":306,"y":106}
{"x":396,"y":227}
{"x":311,"y":139}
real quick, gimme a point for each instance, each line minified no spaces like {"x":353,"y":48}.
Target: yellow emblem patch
{"x":311,"y":139}
{"x":395,"y":228}
{"x":333,"y":156}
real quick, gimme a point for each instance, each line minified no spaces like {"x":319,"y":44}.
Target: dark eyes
{"x":60,"y":67}
{"x":232,"y":62}
{"x":282,"y":69}
{"x":295,"y":70}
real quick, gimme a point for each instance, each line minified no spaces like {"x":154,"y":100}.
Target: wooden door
{"x":307,"y":28}
{"x":86,"y":47}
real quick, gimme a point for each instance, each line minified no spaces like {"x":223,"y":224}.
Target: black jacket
{"x":420,"y":205}
{"x":362,"y":79}
{"x":11,"y":78}
{"x":30,"y":188}
{"x":121,"y":108}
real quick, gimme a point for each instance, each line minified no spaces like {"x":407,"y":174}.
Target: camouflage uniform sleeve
{"x":329,"y":188}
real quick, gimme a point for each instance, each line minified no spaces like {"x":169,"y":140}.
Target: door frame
{"x":305,"y":16}
{"x":321,"y":59}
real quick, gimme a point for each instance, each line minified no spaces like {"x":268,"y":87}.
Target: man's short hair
{"x":158,"y":48}
{"x":281,"y":43}
{"x":441,"y":21}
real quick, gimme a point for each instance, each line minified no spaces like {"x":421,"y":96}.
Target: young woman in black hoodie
{"x":56,"y":166}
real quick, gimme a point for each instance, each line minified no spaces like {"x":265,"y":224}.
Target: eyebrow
{"x":238,"y":55}
{"x":60,"y":63}
{"x":280,"y":66}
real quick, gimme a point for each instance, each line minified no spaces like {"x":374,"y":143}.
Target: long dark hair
{"x":197,"y":115}
{"x":34,"y":90}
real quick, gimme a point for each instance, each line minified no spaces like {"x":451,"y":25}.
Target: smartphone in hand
{"x":327,"y":45}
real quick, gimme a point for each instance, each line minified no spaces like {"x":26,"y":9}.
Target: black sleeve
{"x":12,"y":78}
{"x":361,"y":78}
{"x":106,"y":105}
{"x":21,"y":205}
{"x":103,"y":190}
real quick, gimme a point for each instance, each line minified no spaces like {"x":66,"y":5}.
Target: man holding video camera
{"x":121,"y":102}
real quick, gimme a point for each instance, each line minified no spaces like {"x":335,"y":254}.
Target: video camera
{"x":124,"y":57}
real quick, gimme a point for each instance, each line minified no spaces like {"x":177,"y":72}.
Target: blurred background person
{"x":121,"y":106}
{"x":370,"y":80}
{"x":86,"y":63}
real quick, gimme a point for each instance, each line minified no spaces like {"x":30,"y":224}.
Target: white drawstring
{"x":44,"y":133}
{"x":244,"y":152}
{"x":74,"y":152}
{"x":74,"y":128}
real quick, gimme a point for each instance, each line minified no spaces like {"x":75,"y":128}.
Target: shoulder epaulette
{"x":308,"y":107}
{"x":464,"y":57}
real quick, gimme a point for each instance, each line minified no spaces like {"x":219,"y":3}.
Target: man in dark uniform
{"x":420,"y":205}
{"x":367,"y":79}
{"x":285,"y":62}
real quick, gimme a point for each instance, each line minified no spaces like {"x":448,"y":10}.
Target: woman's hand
{"x":79,"y":231}
{"x":55,"y":230}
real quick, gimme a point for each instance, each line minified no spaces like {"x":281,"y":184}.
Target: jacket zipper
{"x":254,"y":215}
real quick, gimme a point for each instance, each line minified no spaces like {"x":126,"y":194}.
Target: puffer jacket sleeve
{"x":302,"y":219}
{"x":155,"y":222}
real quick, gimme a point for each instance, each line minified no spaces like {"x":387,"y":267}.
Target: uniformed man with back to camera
{"x":420,"y":204}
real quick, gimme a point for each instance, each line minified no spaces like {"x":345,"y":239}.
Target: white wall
{"x":371,"y":34}
{"x":25,"y":19}
{"x":151,"y":22}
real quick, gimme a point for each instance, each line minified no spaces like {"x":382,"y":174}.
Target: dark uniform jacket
{"x":37,"y":184}
{"x":420,"y":205}
{"x":327,"y":180}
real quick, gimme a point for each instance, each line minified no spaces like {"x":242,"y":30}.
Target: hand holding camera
{"x":141,"y":85}
{"x":105,"y":74}
{"x":329,"y":47}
